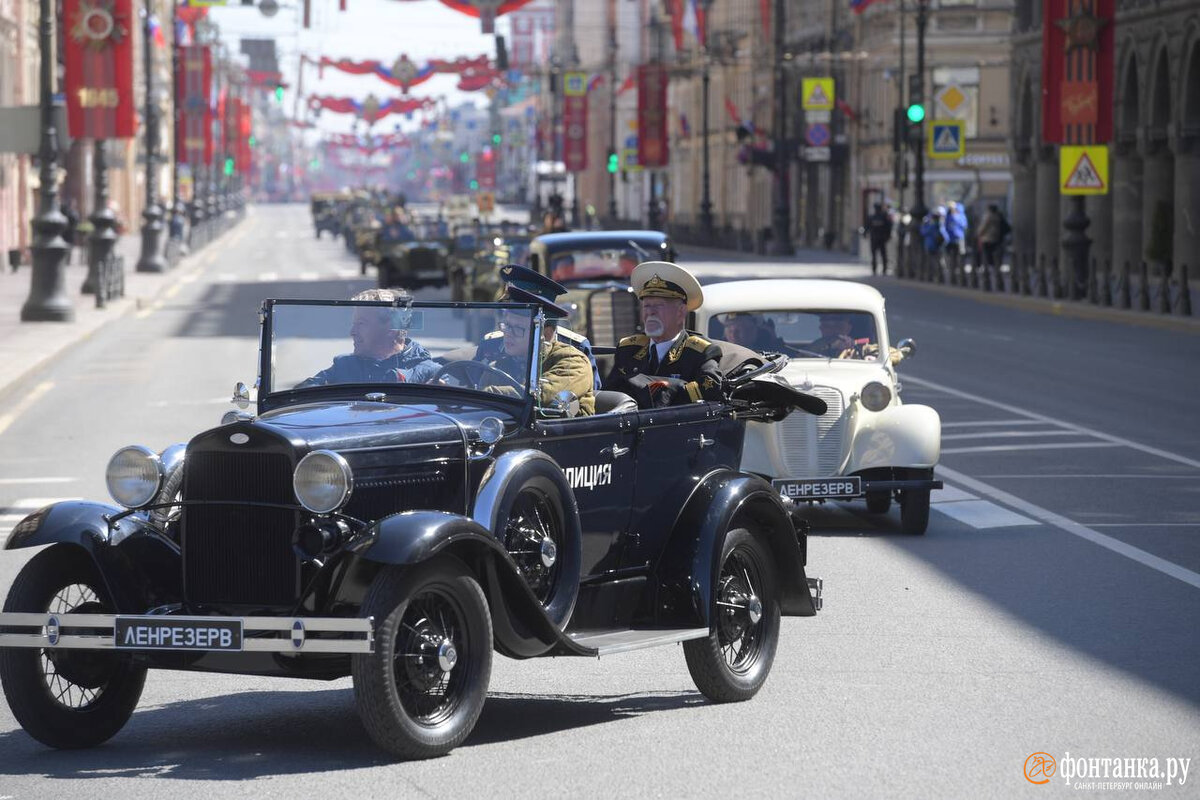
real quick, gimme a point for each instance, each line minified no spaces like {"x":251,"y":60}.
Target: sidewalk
{"x":26,"y":346}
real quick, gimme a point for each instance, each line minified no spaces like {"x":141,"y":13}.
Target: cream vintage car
{"x":868,"y":444}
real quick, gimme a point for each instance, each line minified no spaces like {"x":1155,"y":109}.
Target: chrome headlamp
{"x":875,"y":396}
{"x":134,"y":476}
{"x":323,"y":481}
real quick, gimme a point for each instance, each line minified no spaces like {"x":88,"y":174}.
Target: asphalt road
{"x":1051,"y":607}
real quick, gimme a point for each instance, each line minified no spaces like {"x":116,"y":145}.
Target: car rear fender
{"x":898,"y":436}
{"x":520,"y":625}
{"x":687,"y":572}
{"x":139,"y":566}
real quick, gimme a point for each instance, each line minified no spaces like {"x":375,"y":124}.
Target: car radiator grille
{"x":812,"y":446}
{"x":422,"y":258}
{"x":234,"y":552}
{"x":378,"y":493}
{"x":611,"y":315}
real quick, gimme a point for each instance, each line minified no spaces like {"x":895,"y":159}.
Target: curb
{"x":120,"y":308}
{"x":1060,"y":308}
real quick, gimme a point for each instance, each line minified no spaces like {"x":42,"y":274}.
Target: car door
{"x":676,"y":448}
{"x":596,"y":454}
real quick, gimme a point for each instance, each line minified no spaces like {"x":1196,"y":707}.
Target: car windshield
{"x":826,"y":333}
{"x":599,"y":262}
{"x":314,"y":344}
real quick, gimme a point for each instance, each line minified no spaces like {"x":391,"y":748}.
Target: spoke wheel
{"x":420,"y":693}
{"x":533,"y":537}
{"x":733,"y":661}
{"x":67,"y":698}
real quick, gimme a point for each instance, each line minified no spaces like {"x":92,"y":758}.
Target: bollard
{"x":1028,"y":278}
{"x":1185,"y":294}
{"x":1091,"y":284}
{"x":1144,"y":293}
{"x":1124,"y":300}
{"x":1106,"y":284}
{"x":1164,"y":290}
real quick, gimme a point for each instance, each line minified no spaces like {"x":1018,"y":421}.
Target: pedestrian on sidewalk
{"x":934,"y":237}
{"x":956,"y":236}
{"x":992,"y":231}
{"x":879,"y":233}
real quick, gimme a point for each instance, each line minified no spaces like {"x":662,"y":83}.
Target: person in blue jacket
{"x":383,"y":353}
{"x":956,"y":234}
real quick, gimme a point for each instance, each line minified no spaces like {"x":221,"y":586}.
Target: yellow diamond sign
{"x":952,"y":98}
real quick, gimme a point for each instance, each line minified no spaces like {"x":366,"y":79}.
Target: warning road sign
{"x":947,"y":138}
{"x":816,"y":94}
{"x":1083,"y":170}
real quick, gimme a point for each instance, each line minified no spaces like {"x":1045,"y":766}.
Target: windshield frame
{"x":268,"y":399}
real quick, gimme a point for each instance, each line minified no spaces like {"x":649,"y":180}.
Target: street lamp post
{"x":151,"y":259}
{"x":104,"y":235}
{"x":48,"y":300}
{"x":178,"y":209}
{"x":919,"y":209}
{"x":781,"y":238}
{"x":612,"y":107}
{"x":706,"y":215}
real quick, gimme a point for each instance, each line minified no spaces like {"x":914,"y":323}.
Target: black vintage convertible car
{"x":399,"y":532}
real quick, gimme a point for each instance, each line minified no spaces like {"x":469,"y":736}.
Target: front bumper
{"x":167,"y":633}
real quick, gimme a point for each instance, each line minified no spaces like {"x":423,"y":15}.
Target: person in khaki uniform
{"x":562,"y":366}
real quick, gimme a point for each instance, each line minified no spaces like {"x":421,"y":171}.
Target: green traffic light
{"x":497,"y":138}
{"x":916,"y":112}
{"x":474,"y":184}
{"x":464,"y":157}
{"x":279,"y":94}
{"x":229,"y":166}
{"x":253,"y":141}
{"x":613,"y":162}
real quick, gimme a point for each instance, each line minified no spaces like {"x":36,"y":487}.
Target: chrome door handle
{"x":616,"y":451}
{"x":703,"y":441}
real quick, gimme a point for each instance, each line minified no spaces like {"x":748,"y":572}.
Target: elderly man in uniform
{"x":382,"y":350}
{"x":666,"y":365}
{"x":562,"y":366}
{"x":544,"y":287}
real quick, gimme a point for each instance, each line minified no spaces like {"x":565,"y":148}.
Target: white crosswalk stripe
{"x":971,"y":510}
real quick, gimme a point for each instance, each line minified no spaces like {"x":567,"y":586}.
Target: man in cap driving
{"x":538,"y":284}
{"x":666,"y":365}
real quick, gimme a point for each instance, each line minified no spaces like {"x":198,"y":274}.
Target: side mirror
{"x":907,"y":347}
{"x":241,"y":396}
{"x":568,"y":401}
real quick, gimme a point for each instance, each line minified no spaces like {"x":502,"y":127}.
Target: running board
{"x":609,"y":642}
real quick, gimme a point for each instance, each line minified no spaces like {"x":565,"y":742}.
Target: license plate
{"x":819,"y":488}
{"x":177,"y":633}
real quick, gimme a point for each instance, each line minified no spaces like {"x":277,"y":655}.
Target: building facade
{"x":1152,"y":210}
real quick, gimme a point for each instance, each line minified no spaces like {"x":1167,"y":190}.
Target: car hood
{"x":846,"y":376}
{"x":362,"y":424}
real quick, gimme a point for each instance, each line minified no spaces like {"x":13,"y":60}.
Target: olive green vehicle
{"x":422,"y":261}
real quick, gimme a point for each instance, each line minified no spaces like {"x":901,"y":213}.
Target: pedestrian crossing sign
{"x":947,"y":138}
{"x":816,"y":94}
{"x":1083,"y":170}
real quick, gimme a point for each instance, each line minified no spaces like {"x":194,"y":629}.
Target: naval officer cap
{"x":664,"y":279}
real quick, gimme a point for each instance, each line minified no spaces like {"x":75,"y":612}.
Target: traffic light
{"x":497,"y":138}
{"x":464,"y":157}
{"x":253,"y":141}
{"x":279,"y":93}
{"x":613,"y":162}
{"x":228,"y":167}
{"x":915,"y":113}
{"x":474,"y":184}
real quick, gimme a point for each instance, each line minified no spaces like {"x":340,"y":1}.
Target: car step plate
{"x":609,"y":642}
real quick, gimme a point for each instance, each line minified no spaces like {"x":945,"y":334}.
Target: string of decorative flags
{"x":474,"y":73}
{"x":485,"y":11}
{"x":372,"y":109}
{"x":368,"y":146}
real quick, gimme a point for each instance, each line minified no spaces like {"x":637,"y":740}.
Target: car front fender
{"x":689,"y":567}
{"x":520,"y":625}
{"x":899,"y":436}
{"x":139,"y":566}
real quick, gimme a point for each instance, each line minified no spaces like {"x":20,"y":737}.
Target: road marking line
{"x":308,"y":276}
{"x":1006,"y":434}
{"x":1191,"y":462}
{"x":24,"y":403}
{"x":174,"y":290}
{"x":268,"y":277}
{"x":1145,"y":525}
{"x":27,"y":505}
{"x":1074,"y":528}
{"x":990,"y":423}
{"x":950,"y":494}
{"x":12,"y":481}
{"x":983,"y":514}
{"x":1097,"y":475}
{"x":1000,"y":448}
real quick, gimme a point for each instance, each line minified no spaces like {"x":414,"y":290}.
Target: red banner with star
{"x":98,"y":69}
{"x":652,"y":116}
{"x":1077,"y":71}
{"x":195,"y":143}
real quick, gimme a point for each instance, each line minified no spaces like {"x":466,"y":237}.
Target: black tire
{"x":67,"y":699}
{"x":879,"y":502}
{"x":531,"y":511}
{"x":732,"y":663}
{"x":914,"y":505}
{"x":409,"y":703}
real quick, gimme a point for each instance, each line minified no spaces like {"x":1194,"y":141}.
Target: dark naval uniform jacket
{"x":690,"y":365}
{"x":413,"y":363}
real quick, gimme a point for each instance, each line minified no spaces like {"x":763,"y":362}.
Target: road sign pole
{"x":919,"y":209}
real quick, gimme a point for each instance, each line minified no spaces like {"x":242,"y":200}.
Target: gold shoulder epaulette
{"x":637,"y":340}
{"x":494,"y":335}
{"x":697,"y":343}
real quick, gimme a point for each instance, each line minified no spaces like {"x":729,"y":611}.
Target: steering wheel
{"x":466,"y":366}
